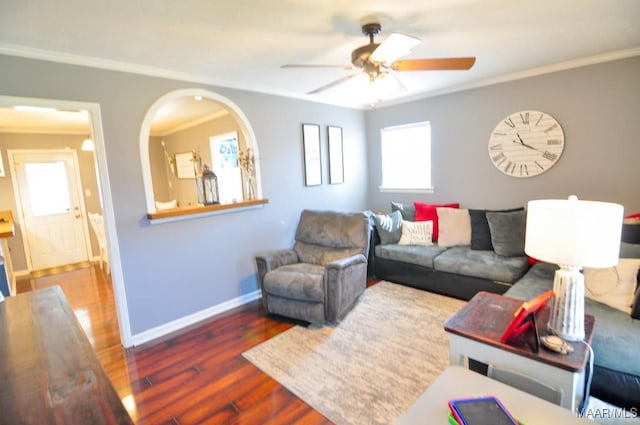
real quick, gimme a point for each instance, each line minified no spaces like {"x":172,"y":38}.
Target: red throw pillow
{"x":426,"y":212}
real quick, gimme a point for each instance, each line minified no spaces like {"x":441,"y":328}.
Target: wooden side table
{"x":49,"y":373}
{"x":475,"y":331}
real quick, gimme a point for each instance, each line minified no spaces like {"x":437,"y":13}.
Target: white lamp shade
{"x":573,"y":232}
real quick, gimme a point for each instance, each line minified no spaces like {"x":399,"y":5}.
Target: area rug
{"x":372,"y":366}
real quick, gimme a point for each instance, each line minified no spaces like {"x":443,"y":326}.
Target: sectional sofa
{"x":461,"y":263}
{"x":479,"y":250}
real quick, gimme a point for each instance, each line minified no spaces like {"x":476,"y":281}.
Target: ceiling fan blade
{"x":399,"y":81}
{"x":433,"y":64}
{"x":394,"y":47}
{"x":334,"y":83}
{"x":347,"y":67}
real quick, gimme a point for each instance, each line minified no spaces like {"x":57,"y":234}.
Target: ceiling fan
{"x":378,"y":59}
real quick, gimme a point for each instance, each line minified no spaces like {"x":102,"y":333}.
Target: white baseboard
{"x":19,"y":273}
{"x":194,"y":318}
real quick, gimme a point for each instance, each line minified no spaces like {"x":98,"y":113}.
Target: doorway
{"x":48,"y":198}
{"x":94,"y":126}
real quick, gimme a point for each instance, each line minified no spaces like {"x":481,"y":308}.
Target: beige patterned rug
{"x":372,"y":366}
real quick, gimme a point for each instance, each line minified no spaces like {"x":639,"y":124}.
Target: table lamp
{"x":573,"y":234}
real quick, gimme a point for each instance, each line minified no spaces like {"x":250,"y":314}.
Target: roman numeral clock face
{"x":526,"y":143}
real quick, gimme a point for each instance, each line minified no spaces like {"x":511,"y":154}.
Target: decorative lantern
{"x":207,"y":187}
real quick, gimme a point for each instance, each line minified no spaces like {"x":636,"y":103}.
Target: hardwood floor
{"x":195,"y":377}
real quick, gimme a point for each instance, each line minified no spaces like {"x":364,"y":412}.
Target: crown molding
{"x":528,"y":73}
{"x":94,"y":62}
{"x":112,"y":65}
{"x":63,"y":132}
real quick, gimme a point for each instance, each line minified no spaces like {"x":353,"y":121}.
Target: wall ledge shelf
{"x":195,"y":211}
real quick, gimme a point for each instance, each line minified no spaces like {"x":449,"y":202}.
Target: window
{"x":48,"y":188}
{"x":406,"y":157}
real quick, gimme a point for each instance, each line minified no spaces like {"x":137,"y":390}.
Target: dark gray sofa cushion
{"x":616,"y":339}
{"x":483,"y":264}
{"x":536,"y":281}
{"x":412,"y":254}
{"x":480,"y":232}
{"x":507,"y":232}
{"x":631,"y":232}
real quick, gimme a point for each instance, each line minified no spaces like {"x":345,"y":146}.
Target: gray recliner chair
{"x":321,"y":277}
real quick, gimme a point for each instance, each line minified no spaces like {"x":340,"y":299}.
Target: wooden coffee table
{"x":475,"y":331}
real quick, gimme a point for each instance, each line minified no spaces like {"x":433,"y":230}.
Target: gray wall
{"x":160,"y":172}
{"x":175,"y":269}
{"x":88,"y":180}
{"x":598,"y":107}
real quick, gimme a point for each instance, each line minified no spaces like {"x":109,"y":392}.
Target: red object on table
{"x":520,"y":323}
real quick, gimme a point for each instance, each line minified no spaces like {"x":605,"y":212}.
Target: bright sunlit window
{"x":406,"y":157}
{"x":48,"y":188}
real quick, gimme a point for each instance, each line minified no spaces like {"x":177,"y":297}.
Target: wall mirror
{"x":183,"y":132}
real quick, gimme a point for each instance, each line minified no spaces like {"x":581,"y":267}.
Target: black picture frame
{"x":336,"y":154}
{"x":312,"y":154}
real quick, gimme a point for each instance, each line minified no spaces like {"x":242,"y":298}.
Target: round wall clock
{"x":526,"y":143}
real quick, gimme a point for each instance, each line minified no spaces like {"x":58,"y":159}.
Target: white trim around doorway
{"x":117,"y":276}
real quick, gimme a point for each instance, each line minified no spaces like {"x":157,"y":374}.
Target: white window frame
{"x":395,"y":150}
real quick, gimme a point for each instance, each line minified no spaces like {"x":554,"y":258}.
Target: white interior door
{"x":52,"y":208}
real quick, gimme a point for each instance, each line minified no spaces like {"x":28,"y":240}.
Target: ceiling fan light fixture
{"x":372,"y":70}
{"x":88,"y":145}
{"x":373,"y":61}
{"x":383,"y":86}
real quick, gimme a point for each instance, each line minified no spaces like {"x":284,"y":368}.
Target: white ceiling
{"x":173,"y":116}
{"x":43,"y":120}
{"x":242,"y":44}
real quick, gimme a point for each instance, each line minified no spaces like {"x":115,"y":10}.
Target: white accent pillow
{"x":454,"y":226}
{"x":416,"y":233}
{"x":615,"y":286}
{"x":166,"y":205}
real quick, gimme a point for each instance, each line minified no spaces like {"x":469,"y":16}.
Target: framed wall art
{"x":185,"y":168}
{"x":311,"y":148}
{"x":336,"y":158}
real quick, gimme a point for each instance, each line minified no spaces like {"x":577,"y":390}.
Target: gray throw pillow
{"x":389,"y":227}
{"x":480,"y":232}
{"x":507,"y":232}
{"x":408,"y":211}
